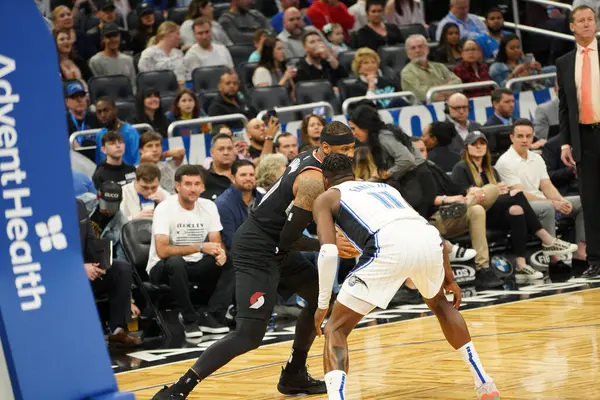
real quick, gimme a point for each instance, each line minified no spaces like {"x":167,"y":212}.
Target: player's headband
{"x":340,"y":140}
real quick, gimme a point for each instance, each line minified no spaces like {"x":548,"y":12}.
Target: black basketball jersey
{"x":273,"y":210}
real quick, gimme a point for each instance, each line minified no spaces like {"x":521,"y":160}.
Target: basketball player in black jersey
{"x":266,"y":259}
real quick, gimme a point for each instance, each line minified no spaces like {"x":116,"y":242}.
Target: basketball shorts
{"x":401,"y":250}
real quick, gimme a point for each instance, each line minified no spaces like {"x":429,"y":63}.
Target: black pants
{"x":116,"y":284}
{"x":417,"y":188}
{"x":178,"y":274}
{"x":588,"y":172}
{"x":499,"y":217}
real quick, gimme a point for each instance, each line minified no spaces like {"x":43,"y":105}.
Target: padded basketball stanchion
{"x":51,"y":338}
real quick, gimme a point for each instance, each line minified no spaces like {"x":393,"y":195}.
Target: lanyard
{"x":80,"y":127}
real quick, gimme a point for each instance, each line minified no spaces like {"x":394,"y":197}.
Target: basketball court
{"x":539,"y":342}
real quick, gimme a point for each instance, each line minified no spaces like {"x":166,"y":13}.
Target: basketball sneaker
{"x":166,"y":393}
{"x":559,"y":247}
{"x":299,"y":383}
{"x":461,"y":254}
{"x":487,"y":391}
{"x":527,"y":274}
{"x":191,"y":330}
{"x":209,"y":324}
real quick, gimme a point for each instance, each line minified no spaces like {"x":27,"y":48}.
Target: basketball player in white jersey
{"x":396,"y":244}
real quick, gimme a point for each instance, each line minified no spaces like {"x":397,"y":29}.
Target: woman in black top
{"x":448,"y":52}
{"x":511,"y":210}
{"x":437,"y":138}
{"x":376,"y":33}
{"x":149,"y":111}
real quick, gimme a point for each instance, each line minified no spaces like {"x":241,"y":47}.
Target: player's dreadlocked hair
{"x":337,"y":166}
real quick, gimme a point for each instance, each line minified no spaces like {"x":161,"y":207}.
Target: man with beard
{"x":240,"y":22}
{"x":205,"y":53}
{"x":231,"y":101}
{"x":490,"y":42}
{"x":220,"y":175}
{"x":287,"y":144}
{"x":106,"y":111}
{"x":261,"y":136}
{"x":293,"y":30}
{"x":277,"y":20}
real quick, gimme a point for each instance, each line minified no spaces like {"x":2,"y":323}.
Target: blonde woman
{"x":162,"y":52}
{"x":269,"y":168}
{"x":364,"y":166}
{"x":369,"y":79}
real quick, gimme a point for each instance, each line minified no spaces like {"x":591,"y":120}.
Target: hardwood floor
{"x":546,"y":348}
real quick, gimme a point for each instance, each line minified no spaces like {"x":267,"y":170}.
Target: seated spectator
{"x":205,"y":53}
{"x":113,"y":168}
{"x":420,"y":74}
{"x":359,"y":12}
{"x":106,"y":111}
{"x":403,"y":12}
{"x":62,"y":18}
{"x":271,"y":68}
{"x":277,"y":20}
{"x":510,"y":63}
{"x":111,"y":61}
{"x":235,"y":203}
{"x":240,"y":145}
{"x":323,"y":12}
{"x":72,"y":66}
{"x":231,"y":101}
{"x":420,"y":145}
{"x":106,"y":13}
{"x":489,"y":43}
{"x":115,"y":282}
{"x":269,"y":170}
{"x":471,"y":69}
{"x":82,"y":183}
{"x":293,"y":33}
{"x":106,"y":218}
{"x":78,"y":117}
{"x":469,"y":24}
{"x":219,"y":174}
{"x":261,"y":136}
{"x":286,"y":144}
{"x":259,"y":37}
{"x":503,"y":101}
{"x":162,"y":53}
{"x":457,"y":112}
{"x":522,"y":169}
{"x":141,"y":196}
{"x":511,"y":211}
{"x":146,"y":27}
{"x":197,"y":9}
{"x":448,"y":50}
{"x":377,"y":33}
{"x":240,"y":22}
{"x":562,"y":177}
{"x":320,"y":61}
{"x":546,"y":115}
{"x":151,"y":151}
{"x":149,"y":111}
{"x":310,"y":130}
{"x":334,"y":33}
{"x":180,"y":254}
{"x":186,"y":106}
{"x":364,"y":166}
{"x":369,"y":79}
{"x":438,"y":138}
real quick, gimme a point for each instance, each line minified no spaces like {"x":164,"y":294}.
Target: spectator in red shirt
{"x":471,"y":69}
{"x":323,"y":12}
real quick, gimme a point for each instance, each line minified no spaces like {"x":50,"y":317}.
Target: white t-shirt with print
{"x":183,"y":227}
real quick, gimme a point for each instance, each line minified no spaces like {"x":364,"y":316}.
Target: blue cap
{"x":74,"y":88}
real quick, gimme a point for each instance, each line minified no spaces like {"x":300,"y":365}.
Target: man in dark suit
{"x":503,"y":102}
{"x":562,"y":177}
{"x":578,"y":74}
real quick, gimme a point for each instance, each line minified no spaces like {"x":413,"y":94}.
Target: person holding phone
{"x":262,"y":135}
{"x":141,"y":196}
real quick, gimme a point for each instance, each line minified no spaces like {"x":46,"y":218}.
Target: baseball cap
{"x":108,"y":28}
{"x":474,"y":136}
{"x":106,"y":5}
{"x":144,"y":8}
{"x":110,"y":194}
{"x":75,"y":88}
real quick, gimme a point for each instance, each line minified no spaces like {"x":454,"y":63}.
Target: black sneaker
{"x":592,"y":271}
{"x":166,"y":393}
{"x":300,"y":383}
{"x":190,"y":329}
{"x":208,"y":324}
{"x":486,"y":279}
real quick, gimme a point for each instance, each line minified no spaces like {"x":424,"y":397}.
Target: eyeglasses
{"x":471,"y":50}
{"x":460,"y":108}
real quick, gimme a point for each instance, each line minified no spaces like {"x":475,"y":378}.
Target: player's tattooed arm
{"x":310,"y":186}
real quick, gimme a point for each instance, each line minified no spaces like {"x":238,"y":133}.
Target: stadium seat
{"x":266,"y":98}
{"x":126,"y":110}
{"x":164,"y":81}
{"x":240,"y":54}
{"x":247,"y":71}
{"x":117,"y":87}
{"x":177,"y":14}
{"x":345,"y":58}
{"x":345,"y":85}
{"x":412,"y":29}
{"x":166,"y":101}
{"x":206,"y":97}
{"x":317,"y":90}
{"x":207,"y":78}
{"x":219,"y":9}
{"x":393,"y":57}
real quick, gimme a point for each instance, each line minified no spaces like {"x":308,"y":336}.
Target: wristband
{"x":565,"y":146}
{"x":443,"y":199}
{"x":327,"y":265}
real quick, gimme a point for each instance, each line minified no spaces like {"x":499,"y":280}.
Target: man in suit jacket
{"x":457,"y":112}
{"x":578,"y":74}
{"x":503,"y":101}
{"x":546,"y":115}
{"x":561,"y":176}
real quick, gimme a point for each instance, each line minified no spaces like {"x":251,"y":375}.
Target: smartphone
{"x":149,"y":205}
{"x":270,"y":113}
{"x":530,"y":59}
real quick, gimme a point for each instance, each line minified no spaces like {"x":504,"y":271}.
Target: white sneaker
{"x":527,"y":274}
{"x":461,"y":254}
{"x":488,"y":391}
{"x":559,"y":247}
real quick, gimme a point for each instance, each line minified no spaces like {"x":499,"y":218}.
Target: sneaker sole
{"x":526,"y":278}
{"x":560,"y":252}
{"x":292,"y":391}
{"x":207,"y":329}
{"x":193,"y":335}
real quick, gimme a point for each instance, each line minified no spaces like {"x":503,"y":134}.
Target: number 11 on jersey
{"x":387,"y":199}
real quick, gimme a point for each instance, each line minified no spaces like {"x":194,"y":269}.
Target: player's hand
{"x":453,"y":288}
{"x":319,"y":318}
{"x":345,"y":248}
{"x":567,"y":157}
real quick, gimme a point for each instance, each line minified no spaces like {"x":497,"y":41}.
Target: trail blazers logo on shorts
{"x":257,"y":300}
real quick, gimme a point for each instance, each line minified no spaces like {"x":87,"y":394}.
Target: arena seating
{"x":117,"y":87}
{"x":319,"y":90}
{"x":207,"y":78}
{"x":164,"y":81}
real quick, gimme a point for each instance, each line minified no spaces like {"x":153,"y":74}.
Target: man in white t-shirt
{"x":141,"y":196}
{"x":520,"y":168}
{"x":205,"y":53}
{"x":179,"y":253}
